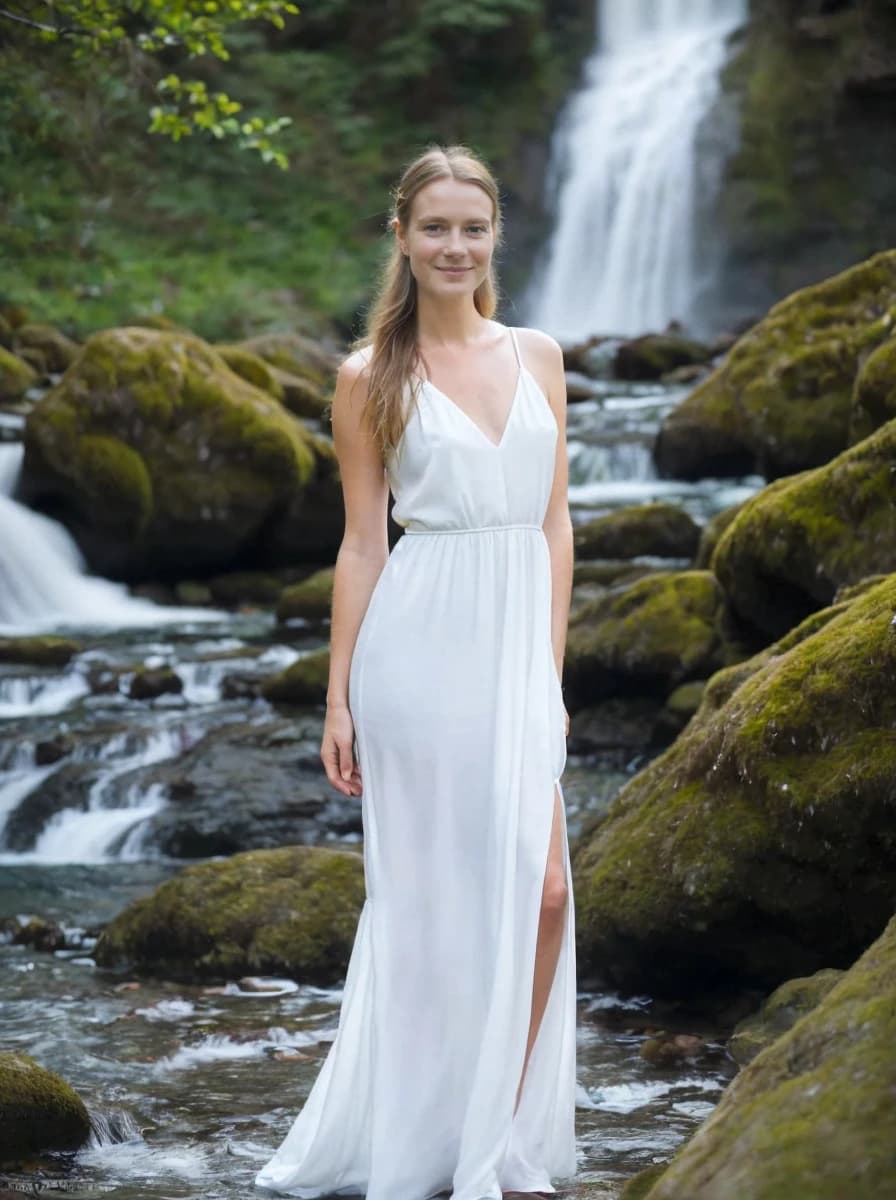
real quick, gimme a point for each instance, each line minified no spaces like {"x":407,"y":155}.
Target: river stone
{"x":646,"y":638}
{"x":303,"y":682}
{"x":656,"y":354}
{"x":659,"y":529}
{"x":41,"y":650}
{"x":874,"y":394}
{"x":780,"y":1012}
{"x":57,"y":350}
{"x":164,"y":462}
{"x":801,"y":538}
{"x":758,"y":845}
{"x":16,"y":376}
{"x":781,"y":401}
{"x":291,"y":911}
{"x":38,"y":1110}
{"x":812,"y":1115}
{"x":308,"y":600}
{"x":149,"y":682}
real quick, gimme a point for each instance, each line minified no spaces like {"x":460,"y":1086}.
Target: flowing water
{"x":191,"y":1087}
{"x":632,"y":167}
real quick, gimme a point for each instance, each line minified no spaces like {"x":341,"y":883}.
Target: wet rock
{"x":580,"y":357}
{"x":797,"y":541}
{"x":309,"y":600}
{"x":103,"y":679}
{"x":41,"y":651}
{"x":781,"y":401}
{"x":162,"y":461}
{"x":246,"y":786}
{"x":57,"y":351}
{"x":150,"y":682}
{"x":618,"y":723}
{"x":16,"y":376}
{"x":638,"y":1187}
{"x":40,"y":934}
{"x":669,"y":1049}
{"x":812,"y":1115}
{"x":780,"y":1012}
{"x":659,"y":529}
{"x":656,"y":354}
{"x":304,"y":682}
{"x":291,"y":911}
{"x":648,"y":637}
{"x":757,"y":845}
{"x":38,"y":1110}
{"x":192,"y":593}
{"x":237,"y":589}
{"x":51,"y":750}
{"x":67,"y":787}
{"x":710,"y":534}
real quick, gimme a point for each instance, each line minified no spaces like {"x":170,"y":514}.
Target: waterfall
{"x":626,"y":179}
{"x":42,"y":573}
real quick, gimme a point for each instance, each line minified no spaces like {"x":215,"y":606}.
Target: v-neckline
{"x":507,"y":423}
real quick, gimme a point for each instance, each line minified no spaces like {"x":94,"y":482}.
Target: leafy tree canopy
{"x":138,"y":29}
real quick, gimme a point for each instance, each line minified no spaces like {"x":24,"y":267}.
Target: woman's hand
{"x":336,"y":751}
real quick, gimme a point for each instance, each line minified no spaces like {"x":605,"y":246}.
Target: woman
{"x":453,"y":1069}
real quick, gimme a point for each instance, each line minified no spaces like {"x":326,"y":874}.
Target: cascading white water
{"x":625,"y":255}
{"x":42,"y":573}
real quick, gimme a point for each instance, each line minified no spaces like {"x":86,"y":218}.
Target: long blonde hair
{"x":391,"y":322}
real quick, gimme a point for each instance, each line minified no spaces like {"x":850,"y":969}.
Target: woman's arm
{"x":547,"y":366}
{"x":362,"y":555}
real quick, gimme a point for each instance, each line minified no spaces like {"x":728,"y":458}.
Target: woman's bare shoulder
{"x":540,"y":344}
{"x":356,"y":363}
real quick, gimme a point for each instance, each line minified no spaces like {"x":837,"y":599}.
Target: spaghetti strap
{"x":516,"y":346}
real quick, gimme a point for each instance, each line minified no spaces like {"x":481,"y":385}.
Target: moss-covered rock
{"x":801,"y":538}
{"x":38,"y":1110}
{"x":874,"y":394}
{"x":252,"y":368}
{"x":46,"y":650}
{"x":308,"y":600}
{"x":16,"y":375}
{"x":710,"y":534}
{"x":781,"y":401}
{"x":812,"y":1115}
{"x":780,"y":1012}
{"x":656,"y":354}
{"x":150,"y":682}
{"x":659,"y":529}
{"x":57,"y":350}
{"x":293,"y":911}
{"x":304,"y":682}
{"x":161,"y":458}
{"x":759,"y":844}
{"x":648,"y":637}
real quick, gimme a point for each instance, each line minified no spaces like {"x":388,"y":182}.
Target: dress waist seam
{"x":476,"y":529}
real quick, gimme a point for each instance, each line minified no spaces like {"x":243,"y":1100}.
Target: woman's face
{"x":450,"y":237}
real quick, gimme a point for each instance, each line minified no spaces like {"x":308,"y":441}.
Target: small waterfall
{"x":42,"y":573}
{"x":626,"y":179}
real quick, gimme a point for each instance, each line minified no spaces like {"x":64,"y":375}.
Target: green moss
{"x":796,"y":542}
{"x":781,"y":401}
{"x":293,"y":910}
{"x":16,"y":376}
{"x":304,"y":682}
{"x":309,"y":600}
{"x":780,"y":1012}
{"x":251,"y":368}
{"x":57,"y":350}
{"x":38,"y":1110}
{"x":639,"y":1187}
{"x":811,"y":1116}
{"x":655,"y":633}
{"x":41,"y":651}
{"x":643,"y":529}
{"x":730,"y":856}
{"x":874,"y":393}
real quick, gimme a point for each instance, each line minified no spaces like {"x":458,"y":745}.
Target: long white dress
{"x":458,"y":716}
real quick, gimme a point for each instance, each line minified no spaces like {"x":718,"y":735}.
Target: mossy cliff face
{"x":810,"y":186}
{"x":781,"y":402}
{"x":797,"y":541}
{"x":163,"y":460}
{"x":38,"y":1110}
{"x":292,"y":910}
{"x":760,"y":844}
{"x":647,"y":637}
{"x":812,"y":1116}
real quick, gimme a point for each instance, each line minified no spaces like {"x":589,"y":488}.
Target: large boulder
{"x":16,"y":376}
{"x":38,"y":1110}
{"x":781,"y":401}
{"x":661,"y":530}
{"x":655,"y":354}
{"x":874,"y":395}
{"x":812,"y":1115}
{"x":797,"y":541}
{"x":291,"y":911}
{"x":759,"y":845}
{"x":163,"y":460}
{"x":647,"y":638}
{"x":779,"y":1012}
